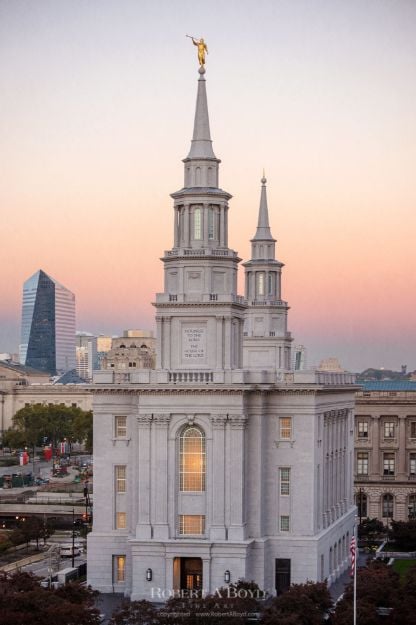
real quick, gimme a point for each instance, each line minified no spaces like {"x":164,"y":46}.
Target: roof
{"x":22,"y":369}
{"x":389,"y":385}
{"x":70,"y":377}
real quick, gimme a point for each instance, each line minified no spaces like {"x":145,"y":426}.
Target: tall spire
{"x":263,"y":232}
{"x":201,"y":146}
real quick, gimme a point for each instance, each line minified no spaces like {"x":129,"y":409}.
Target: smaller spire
{"x":263,"y":229}
{"x":201,"y":146}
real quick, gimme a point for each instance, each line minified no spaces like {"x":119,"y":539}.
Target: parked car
{"x":66,"y":551}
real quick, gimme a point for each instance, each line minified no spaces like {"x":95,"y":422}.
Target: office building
{"x":48,"y":325}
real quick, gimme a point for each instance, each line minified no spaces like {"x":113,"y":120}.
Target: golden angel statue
{"x":202,"y":48}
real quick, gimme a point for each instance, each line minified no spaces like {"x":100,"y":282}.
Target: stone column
{"x":169,"y":572}
{"x":237,"y":425}
{"x":166,"y":343}
{"x":402,"y":449}
{"x":227,"y":343}
{"x":220,"y":342}
{"x":253,"y":285}
{"x":222,"y":227}
{"x":159,"y":352}
{"x":176,"y":228}
{"x":375,"y":456}
{"x":226,"y":226}
{"x":186,"y":225}
{"x":159,"y":476}
{"x":143,"y":527}
{"x":206,"y":574}
{"x":217,"y":529}
{"x":205,"y":210}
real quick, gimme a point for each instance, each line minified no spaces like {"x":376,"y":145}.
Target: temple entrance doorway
{"x":187,"y":573}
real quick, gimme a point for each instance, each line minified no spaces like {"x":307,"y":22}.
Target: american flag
{"x":352,"y":552}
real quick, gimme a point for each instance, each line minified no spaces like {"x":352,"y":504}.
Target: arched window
{"x":192,"y":460}
{"x":198,"y":177}
{"x":387,"y":506}
{"x":197,"y":224}
{"x":411,"y":507}
{"x":361,"y":503}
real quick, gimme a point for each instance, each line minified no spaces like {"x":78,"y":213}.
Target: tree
{"x":35,"y":422}
{"x":134,"y":613}
{"x":403,"y":533}
{"x":302,"y":604}
{"x":377,"y":587}
{"x":23,"y":600}
{"x":370,"y":528}
{"x":228,"y":606}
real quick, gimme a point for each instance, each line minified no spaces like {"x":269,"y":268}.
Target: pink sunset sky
{"x":96,"y":114}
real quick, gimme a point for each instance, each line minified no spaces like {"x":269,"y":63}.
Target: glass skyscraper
{"x":48,"y":325}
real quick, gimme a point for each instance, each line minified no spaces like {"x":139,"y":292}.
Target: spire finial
{"x":263,"y":229}
{"x":201,"y":146}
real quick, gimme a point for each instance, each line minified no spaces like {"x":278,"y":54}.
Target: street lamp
{"x":73,"y":537}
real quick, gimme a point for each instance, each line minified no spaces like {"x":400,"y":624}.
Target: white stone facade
{"x":209,"y":464}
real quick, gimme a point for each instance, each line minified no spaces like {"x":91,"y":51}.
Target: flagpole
{"x":355,"y":575}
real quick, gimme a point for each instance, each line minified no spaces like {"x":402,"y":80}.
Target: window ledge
{"x":122,"y":440}
{"x":284,"y":440}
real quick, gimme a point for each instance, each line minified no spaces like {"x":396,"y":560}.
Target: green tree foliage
{"x":302,"y":604}
{"x":23,"y":600}
{"x":403,"y":533}
{"x":370,"y":528}
{"x":34,"y":528}
{"x":33,"y":423}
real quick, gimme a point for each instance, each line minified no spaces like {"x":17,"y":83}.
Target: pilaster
{"x":143,"y":527}
{"x":237,"y":427}
{"x":217,"y":529}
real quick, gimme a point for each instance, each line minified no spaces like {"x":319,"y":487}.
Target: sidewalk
{"x":338,"y":587}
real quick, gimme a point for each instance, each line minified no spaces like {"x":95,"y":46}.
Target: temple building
{"x":222,"y":462}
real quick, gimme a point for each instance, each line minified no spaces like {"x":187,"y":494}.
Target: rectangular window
{"x":412,"y":429}
{"x":389,"y":429}
{"x":362,"y":463}
{"x":284,"y":481}
{"x":284,"y":523}
{"x":362,"y":429}
{"x":193,"y":524}
{"x":119,"y":569}
{"x":121,"y":478}
{"x":285,"y":425}
{"x":121,"y":521}
{"x":388,"y":464}
{"x":120,"y":429}
{"x":412,"y":464}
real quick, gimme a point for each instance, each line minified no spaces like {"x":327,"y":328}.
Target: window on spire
{"x":260,"y":284}
{"x":197,"y":224}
